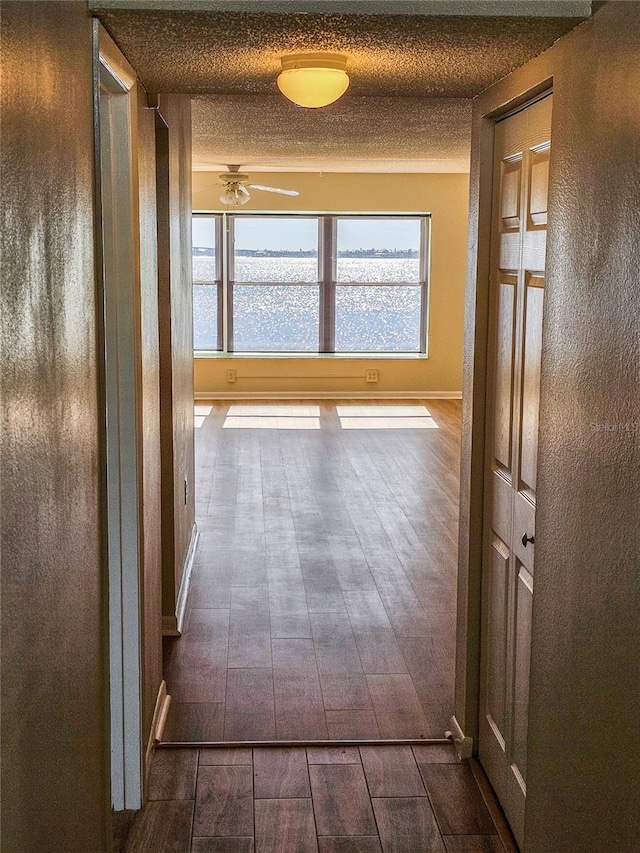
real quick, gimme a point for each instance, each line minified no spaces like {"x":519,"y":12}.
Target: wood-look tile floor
{"x":376,"y":799}
{"x":322,"y":601}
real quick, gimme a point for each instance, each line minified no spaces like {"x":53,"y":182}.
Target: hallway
{"x":340,"y":800}
{"x":322,"y":602}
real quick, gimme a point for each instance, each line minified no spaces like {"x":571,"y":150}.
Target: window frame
{"x":218,"y":282}
{"x":327,"y":282}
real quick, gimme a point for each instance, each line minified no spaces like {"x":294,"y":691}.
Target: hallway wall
{"x":54,"y":707}
{"x":445,"y":196}
{"x":583,"y":783}
{"x":176,"y":354}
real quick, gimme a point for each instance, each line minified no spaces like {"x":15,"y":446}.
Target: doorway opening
{"x":322,"y":603}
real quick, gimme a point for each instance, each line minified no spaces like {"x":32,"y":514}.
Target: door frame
{"x":118,"y":276}
{"x":496,"y":103}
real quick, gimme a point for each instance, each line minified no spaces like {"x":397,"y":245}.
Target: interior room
{"x":292,"y":522}
{"x":319,"y":468}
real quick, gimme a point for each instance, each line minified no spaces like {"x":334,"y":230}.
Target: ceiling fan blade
{"x":273,"y":190}
{"x":208,"y":187}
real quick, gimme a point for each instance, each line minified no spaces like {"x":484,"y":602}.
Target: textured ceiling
{"x":407,"y":108}
{"x":364,"y":134}
{"x":545,"y":8}
{"x":388,"y":55}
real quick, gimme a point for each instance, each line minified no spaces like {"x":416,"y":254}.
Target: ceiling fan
{"x":236,"y":187}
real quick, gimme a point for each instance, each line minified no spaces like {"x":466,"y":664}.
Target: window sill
{"x":342,"y":356}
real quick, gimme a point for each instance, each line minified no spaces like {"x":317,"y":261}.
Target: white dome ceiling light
{"x":313,"y":79}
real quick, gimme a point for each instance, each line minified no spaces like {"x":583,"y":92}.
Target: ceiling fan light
{"x":313,"y":79}
{"x":243,"y":194}
{"x":234,"y":195}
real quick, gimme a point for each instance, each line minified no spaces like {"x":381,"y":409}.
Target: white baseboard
{"x":161,"y":720}
{"x":328,"y":395}
{"x":172,"y":625}
{"x":463,"y":744}
{"x":160,"y":712}
{"x":189,"y":560}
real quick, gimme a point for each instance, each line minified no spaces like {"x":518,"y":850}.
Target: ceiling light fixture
{"x":235,"y":193}
{"x":313,"y":79}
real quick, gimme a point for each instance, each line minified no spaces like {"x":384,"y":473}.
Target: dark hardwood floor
{"x":376,"y":799}
{"x":322,"y":603}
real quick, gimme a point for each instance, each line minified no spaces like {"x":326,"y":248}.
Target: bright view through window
{"x":308,"y":284}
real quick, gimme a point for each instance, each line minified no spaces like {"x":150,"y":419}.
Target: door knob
{"x":526,"y":539}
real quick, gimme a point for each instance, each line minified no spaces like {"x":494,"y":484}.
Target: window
{"x":310,"y":284}
{"x":207,"y":282}
{"x":274,"y":290}
{"x":378,"y":285}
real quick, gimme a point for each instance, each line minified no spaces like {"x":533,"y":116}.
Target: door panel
{"x":510,"y":207}
{"x":532,"y":349}
{"x":497,"y":607}
{"x":524,"y":601}
{"x":502,"y":506}
{"x":522,"y":151}
{"x":502,"y":410}
{"x":533,"y":250}
{"x":539,"y":187}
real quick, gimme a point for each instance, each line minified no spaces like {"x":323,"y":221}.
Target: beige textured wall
{"x":176,"y":352}
{"x":54,"y":705}
{"x":583,"y":785}
{"x":446,"y":198}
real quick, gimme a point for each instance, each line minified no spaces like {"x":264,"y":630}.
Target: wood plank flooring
{"x":322,"y":601}
{"x":382,"y":799}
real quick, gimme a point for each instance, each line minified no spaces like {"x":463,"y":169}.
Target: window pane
{"x":205,"y":316}
{"x":378,"y":269}
{"x":277,"y":249}
{"x":203,"y":241}
{"x":373,"y":318}
{"x":275,"y":318}
{"x":289,"y":270}
{"x":378,"y":250}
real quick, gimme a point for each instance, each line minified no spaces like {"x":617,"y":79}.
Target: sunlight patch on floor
{"x":201,"y":409}
{"x":303,"y":417}
{"x":264,"y":422}
{"x":385,"y":417}
{"x":369,"y":411}
{"x":388,"y":423}
{"x":275,"y":410}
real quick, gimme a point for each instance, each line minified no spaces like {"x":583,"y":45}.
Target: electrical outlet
{"x":231,"y":376}
{"x":371,"y":376}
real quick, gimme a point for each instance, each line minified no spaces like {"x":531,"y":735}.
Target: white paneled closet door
{"x":521,"y":170}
